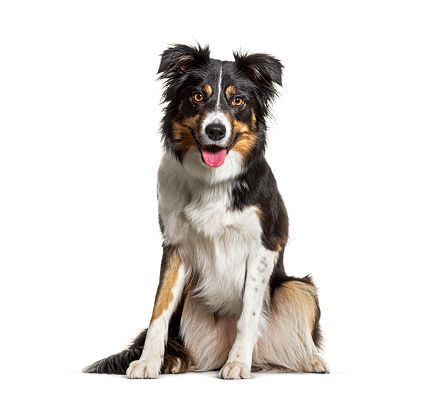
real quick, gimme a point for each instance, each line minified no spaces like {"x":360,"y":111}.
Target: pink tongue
{"x":214,"y":159}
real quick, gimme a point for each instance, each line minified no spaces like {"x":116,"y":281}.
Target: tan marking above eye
{"x":246,"y":142}
{"x":207,"y":89}
{"x":230,"y":91}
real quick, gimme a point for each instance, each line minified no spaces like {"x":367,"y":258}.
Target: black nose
{"x":215,"y":131}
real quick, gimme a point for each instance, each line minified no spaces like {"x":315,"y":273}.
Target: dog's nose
{"x":215,"y":131}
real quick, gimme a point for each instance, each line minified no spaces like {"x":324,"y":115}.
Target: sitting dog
{"x":224,"y":300}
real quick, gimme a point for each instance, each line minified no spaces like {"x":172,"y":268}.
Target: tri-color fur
{"x":224,"y":301}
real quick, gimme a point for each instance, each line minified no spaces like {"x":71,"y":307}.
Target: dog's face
{"x":216,"y":108}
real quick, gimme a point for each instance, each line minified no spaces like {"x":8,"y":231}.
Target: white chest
{"x":214,"y":240}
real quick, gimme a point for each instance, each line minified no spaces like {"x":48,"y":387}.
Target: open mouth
{"x":213,"y":156}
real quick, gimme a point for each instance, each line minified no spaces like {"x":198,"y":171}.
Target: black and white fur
{"x":224,"y":301}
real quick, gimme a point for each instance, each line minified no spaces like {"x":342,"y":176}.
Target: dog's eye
{"x":237,"y":101}
{"x":198,"y":97}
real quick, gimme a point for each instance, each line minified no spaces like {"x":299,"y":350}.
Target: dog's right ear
{"x":179,"y":59}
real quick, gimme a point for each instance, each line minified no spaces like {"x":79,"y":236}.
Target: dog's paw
{"x":235,"y":370}
{"x":177,"y":367}
{"x":318,"y":365}
{"x":142,"y":369}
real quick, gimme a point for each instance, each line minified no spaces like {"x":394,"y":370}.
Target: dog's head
{"x":216,"y":110}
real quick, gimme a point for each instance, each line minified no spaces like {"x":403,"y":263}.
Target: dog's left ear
{"x":265,"y":70}
{"x":260,"y":66}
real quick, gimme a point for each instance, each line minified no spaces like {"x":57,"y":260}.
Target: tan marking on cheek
{"x":182,"y":137}
{"x":230,"y":91}
{"x":207,"y":89}
{"x":165,"y":295}
{"x":240,"y":127}
{"x":192,"y":122}
{"x":245,"y":144}
{"x":254,"y":121}
{"x":182,"y":131}
{"x":247,"y":140}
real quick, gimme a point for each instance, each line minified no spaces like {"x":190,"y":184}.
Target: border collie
{"x":224,"y":301}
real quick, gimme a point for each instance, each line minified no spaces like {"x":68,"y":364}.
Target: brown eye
{"x":237,"y":101}
{"x":198,"y":97}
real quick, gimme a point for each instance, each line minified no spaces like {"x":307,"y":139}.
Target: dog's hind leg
{"x":292,"y":338}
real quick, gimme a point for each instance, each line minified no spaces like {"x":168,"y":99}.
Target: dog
{"x":224,"y":301}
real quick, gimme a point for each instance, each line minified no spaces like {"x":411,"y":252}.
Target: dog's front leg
{"x":259,"y":268}
{"x":170,"y":287}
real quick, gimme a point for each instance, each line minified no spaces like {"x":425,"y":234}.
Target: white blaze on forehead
{"x":219,"y":89}
{"x":217,"y":117}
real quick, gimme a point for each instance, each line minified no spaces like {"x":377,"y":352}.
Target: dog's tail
{"x":115,"y":364}
{"x":176,"y":358}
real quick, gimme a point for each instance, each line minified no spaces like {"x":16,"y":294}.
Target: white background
{"x":79,"y":242}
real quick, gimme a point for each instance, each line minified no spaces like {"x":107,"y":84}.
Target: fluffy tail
{"x":176,"y":358}
{"x":115,"y":364}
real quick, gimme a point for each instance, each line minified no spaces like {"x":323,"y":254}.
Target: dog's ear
{"x":260,"y":67}
{"x":264,"y":70}
{"x":179,"y":59}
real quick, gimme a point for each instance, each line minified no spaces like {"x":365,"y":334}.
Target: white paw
{"x":235,"y":370}
{"x":142,"y":369}
{"x":318,"y":365}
